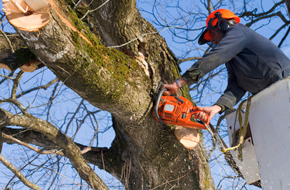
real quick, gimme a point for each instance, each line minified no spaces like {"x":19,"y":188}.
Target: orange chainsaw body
{"x":177,"y":111}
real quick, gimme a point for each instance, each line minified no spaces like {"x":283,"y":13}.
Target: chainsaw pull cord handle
{"x":156,"y":106}
{"x":177,"y":98}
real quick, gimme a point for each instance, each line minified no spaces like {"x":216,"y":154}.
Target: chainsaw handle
{"x":156,"y":105}
{"x":194,"y":111}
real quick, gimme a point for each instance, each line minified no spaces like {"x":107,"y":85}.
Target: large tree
{"x":116,"y":80}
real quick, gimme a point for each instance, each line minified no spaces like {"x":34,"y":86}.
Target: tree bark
{"x":121,"y":83}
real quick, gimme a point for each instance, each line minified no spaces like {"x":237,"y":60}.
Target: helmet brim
{"x":201,"y":39}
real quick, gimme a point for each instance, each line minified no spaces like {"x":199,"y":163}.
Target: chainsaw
{"x":178,"y":111}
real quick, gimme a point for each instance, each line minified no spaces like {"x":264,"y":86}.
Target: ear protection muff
{"x":222,"y":23}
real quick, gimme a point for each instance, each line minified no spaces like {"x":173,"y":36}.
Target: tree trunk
{"x":144,"y":154}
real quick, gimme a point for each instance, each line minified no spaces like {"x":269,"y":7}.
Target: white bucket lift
{"x":266,"y":148}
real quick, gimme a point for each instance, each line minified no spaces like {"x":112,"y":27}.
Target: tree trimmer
{"x":179,"y":111}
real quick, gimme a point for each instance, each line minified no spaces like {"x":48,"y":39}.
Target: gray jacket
{"x":253,"y":63}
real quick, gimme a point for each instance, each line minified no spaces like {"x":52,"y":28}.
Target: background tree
{"x":103,"y":55}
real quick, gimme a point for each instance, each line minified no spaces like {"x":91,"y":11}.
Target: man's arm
{"x":231,"y":96}
{"x":233,"y":93}
{"x":232,"y":43}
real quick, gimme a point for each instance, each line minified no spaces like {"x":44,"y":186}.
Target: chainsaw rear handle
{"x":157,"y":103}
{"x":195,"y":111}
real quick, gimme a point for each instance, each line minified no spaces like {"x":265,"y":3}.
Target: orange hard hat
{"x":212,"y":20}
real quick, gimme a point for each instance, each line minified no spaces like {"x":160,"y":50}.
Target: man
{"x":253,"y":62}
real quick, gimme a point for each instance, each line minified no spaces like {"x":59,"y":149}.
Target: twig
{"x":139,"y":37}
{"x":10,"y":75}
{"x":209,"y":7}
{"x":13,"y":94}
{"x":96,"y":130}
{"x":37,"y":88}
{"x":32,"y":147}
{"x":89,"y":11}
{"x":188,"y":59}
{"x":15,"y":84}
{"x":6,"y":187}
{"x":5,"y":76}
{"x":51,"y":99}
{"x":59,"y":174}
{"x":8,"y":41}
{"x":77,"y":4}
{"x":78,"y":108}
{"x":284,"y":37}
{"x":22,"y":178}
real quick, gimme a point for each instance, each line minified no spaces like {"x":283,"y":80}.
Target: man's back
{"x":259,"y":63}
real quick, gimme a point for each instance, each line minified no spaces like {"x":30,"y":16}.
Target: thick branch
{"x":69,"y":148}
{"x":97,"y":71}
{"x":20,"y":57}
{"x":93,"y":156}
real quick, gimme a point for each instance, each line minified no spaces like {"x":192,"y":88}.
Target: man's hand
{"x":207,"y":111}
{"x":172,"y":88}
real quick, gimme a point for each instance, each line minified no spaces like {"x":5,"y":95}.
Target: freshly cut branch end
{"x":30,"y":67}
{"x":189,"y":138}
{"x":27,"y":67}
{"x":27,"y":15}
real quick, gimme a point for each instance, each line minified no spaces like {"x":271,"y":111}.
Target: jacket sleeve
{"x":233,"y":93}
{"x":232,"y":43}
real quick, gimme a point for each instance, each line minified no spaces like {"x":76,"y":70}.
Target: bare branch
{"x":8,"y":41}
{"x":15,"y":84}
{"x":75,"y":112}
{"x":189,"y":59}
{"x":58,"y":152}
{"x":58,"y":174}
{"x":77,"y":4}
{"x":20,"y":170}
{"x":89,"y":11}
{"x":8,"y":77}
{"x":277,"y":31}
{"x":18,"y":174}
{"x":37,"y":88}
{"x":71,"y":150}
{"x":209,"y":7}
{"x":284,"y":37}
{"x":11,"y":136}
{"x":151,"y":33}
